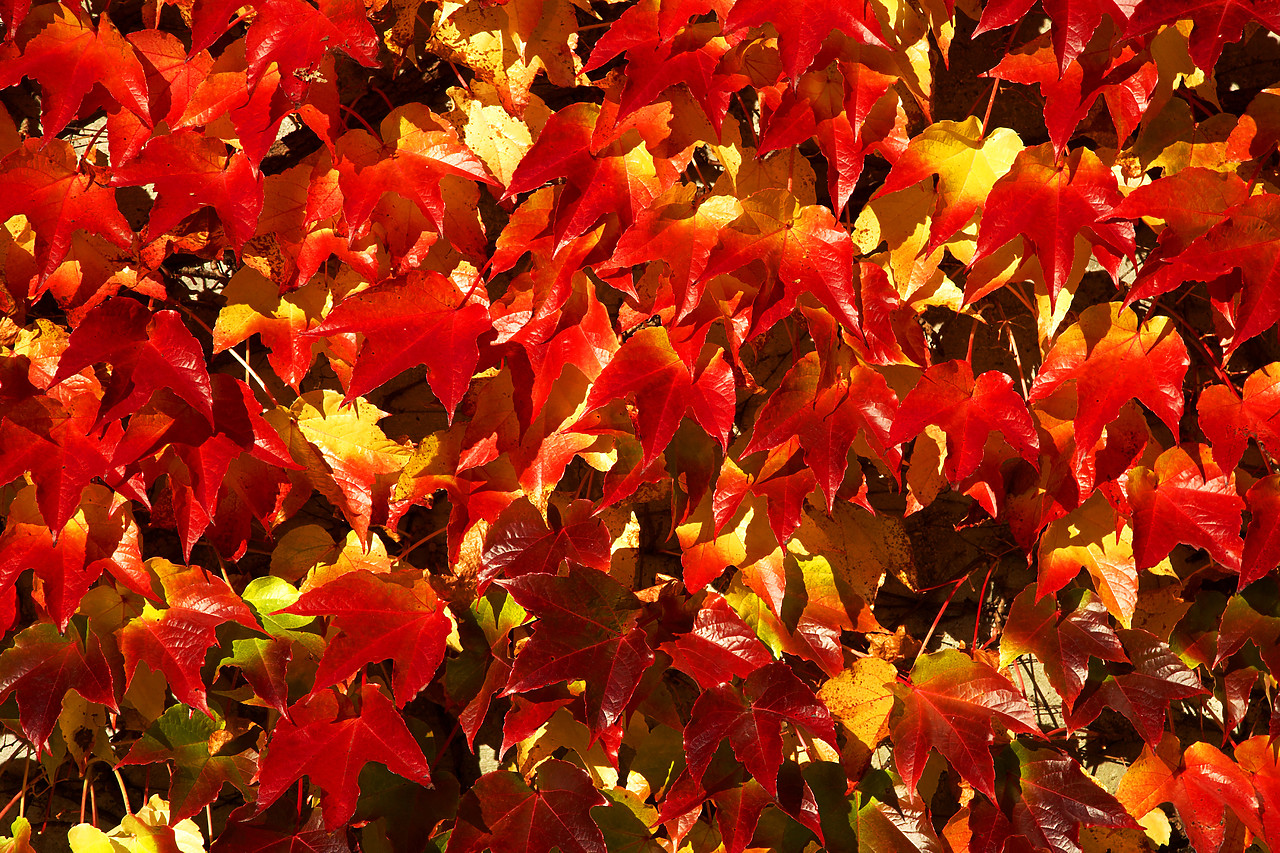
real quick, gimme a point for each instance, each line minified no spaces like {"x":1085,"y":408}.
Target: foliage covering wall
{"x":673,"y":425}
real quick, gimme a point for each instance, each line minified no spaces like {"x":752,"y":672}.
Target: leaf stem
{"x":924,"y":644}
{"x":124,"y":792}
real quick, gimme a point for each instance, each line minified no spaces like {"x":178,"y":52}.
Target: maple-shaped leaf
{"x":421,"y":319}
{"x":417,"y":152}
{"x":752,"y":718}
{"x":296,"y":36}
{"x":190,"y":171}
{"x":1215,"y":23}
{"x":520,"y":542}
{"x":346,"y":457}
{"x":379,"y":619}
{"x":828,"y":417}
{"x":44,"y":181}
{"x":147,"y":351}
{"x":806,"y":26}
{"x":1112,"y":357}
{"x":951,"y":705}
{"x":802,"y":248}
{"x":1251,"y":616}
{"x":665,"y":389}
{"x":69,"y":55}
{"x":967,"y":164}
{"x":200,"y":769}
{"x":681,"y":234}
{"x":330,"y":746}
{"x":718,"y":647}
{"x":1063,"y":642}
{"x":1257,"y":757}
{"x":617,"y":177}
{"x":58,"y":445}
{"x":1141,"y":689}
{"x":503,"y":814}
{"x":1093,"y":537}
{"x":1185,"y":498}
{"x":848,"y":107}
{"x":1206,"y":787}
{"x":586,"y":627}
{"x":968,"y":410}
{"x":42,"y":665}
{"x":1246,"y":238}
{"x":174,"y":640}
{"x":1229,"y":419}
{"x":1056,"y":798}
{"x":1050,"y":203}
{"x":101,"y":535}
{"x":1073,"y":21}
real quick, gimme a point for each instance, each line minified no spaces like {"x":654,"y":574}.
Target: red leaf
{"x":421,"y":319}
{"x":665,"y":389}
{"x":1228,"y":420}
{"x":1057,"y":798}
{"x":146,"y":351}
{"x":1073,"y":21}
{"x":502,"y":813}
{"x":617,"y":177}
{"x":1063,"y":642}
{"x":951,"y":705}
{"x":331,"y":748}
{"x":1262,"y":537}
{"x":968,"y":410}
{"x":43,"y":182}
{"x":1215,"y":23}
{"x":803,"y":250}
{"x":520,"y":542}
{"x":1187,"y":498}
{"x":752,"y":718}
{"x":586,"y":627}
{"x":1205,"y":786}
{"x":42,"y":665}
{"x":191,"y":171}
{"x":1141,"y":692}
{"x":69,"y":56}
{"x":828,"y":417}
{"x":719,"y":647}
{"x":1113,"y":358}
{"x":174,"y":641}
{"x":379,"y":619}
{"x":1050,"y":203}
{"x":296,"y":36}
{"x":101,"y":535}
{"x":806,"y":26}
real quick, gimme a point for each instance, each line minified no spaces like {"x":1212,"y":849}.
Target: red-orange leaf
{"x":379,"y":619}
{"x":968,"y":410}
{"x":43,"y":182}
{"x":331,"y":748}
{"x":42,"y":665}
{"x":951,"y":705}
{"x":1050,"y":203}
{"x":421,"y":319}
{"x":1187,"y":498}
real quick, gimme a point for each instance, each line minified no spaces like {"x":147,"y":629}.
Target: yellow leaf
{"x":1087,"y":538}
{"x":861,"y":699}
{"x":497,"y":137}
{"x":506,"y":45}
{"x":346,"y":457}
